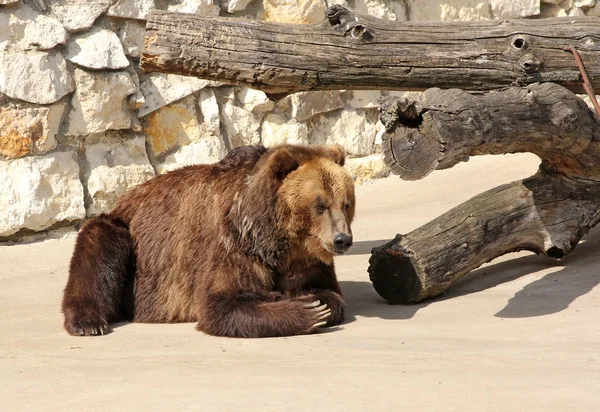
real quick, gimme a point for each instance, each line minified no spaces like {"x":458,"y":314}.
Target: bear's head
{"x":315,"y":199}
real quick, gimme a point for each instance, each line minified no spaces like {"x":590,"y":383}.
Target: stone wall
{"x":80,"y":123}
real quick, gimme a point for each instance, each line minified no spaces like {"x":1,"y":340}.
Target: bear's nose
{"x":342,"y":242}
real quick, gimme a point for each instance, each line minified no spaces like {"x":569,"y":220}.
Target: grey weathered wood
{"x":547,"y":213}
{"x":447,"y":126}
{"x":352,"y":51}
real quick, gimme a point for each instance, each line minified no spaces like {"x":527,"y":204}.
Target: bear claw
{"x":320,"y":308}
{"x":86,"y":328}
{"x":321,"y":316}
{"x":324,"y":314}
{"x":313,"y":304}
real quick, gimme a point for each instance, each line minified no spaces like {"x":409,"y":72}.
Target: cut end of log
{"x":393,"y":275}
{"x":409,"y":154}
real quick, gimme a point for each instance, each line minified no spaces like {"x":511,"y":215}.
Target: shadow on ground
{"x":577,"y":275}
{"x":364,"y":248}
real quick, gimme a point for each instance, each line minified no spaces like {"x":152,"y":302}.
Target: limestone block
{"x":305,"y":105}
{"x":294,"y":11}
{"x":254,"y":101}
{"x":100,"y":102}
{"x":449,"y":10}
{"x":200,"y":7}
{"x":585,"y":3}
{"x":76,"y":15}
{"x":576,"y":12}
{"x":507,"y":9}
{"x":275,"y":130}
{"x":24,"y":28}
{"x":365,"y":169}
{"x":39,"y":191}
{"x":234,"y":5}
{"x":114,"y":164}
{"x":205,"y":151}
{"x":131,"y":33}
{"x":97,"y":48}
{"x":209,"y":109}
{"x":34,"y":77}
{"x":559,"y":9}
{"x":32,"y":130}
{"x":354,"y":129}
{"x":383,"y":9}
{"x":162,"y":89}
{"x":132,"y":9}
{"x":241,"y":125}
{"x":364,"y":99}
{"x":173,"y":126}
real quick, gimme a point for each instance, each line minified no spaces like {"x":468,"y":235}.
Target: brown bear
{"x":244,"y":247}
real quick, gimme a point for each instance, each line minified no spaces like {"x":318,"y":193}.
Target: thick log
{"x":447,"y":126}
{"x":547,"y":213}
{"x":352,"y":51}
{"x":544,"y":214}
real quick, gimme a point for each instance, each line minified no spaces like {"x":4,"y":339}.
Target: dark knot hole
{"x":519,"y":43}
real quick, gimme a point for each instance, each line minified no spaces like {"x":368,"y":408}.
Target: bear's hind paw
{"x":87,"y":327}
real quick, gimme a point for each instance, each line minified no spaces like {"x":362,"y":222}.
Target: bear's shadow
{"x":552,"y":293}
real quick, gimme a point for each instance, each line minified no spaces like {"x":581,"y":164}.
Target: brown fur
{"x":240,"y":246}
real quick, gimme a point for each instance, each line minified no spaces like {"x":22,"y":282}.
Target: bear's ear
{"x":337,"y":154}
{"x":282,"y":163}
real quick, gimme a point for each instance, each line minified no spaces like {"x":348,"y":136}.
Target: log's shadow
{"x":362,"y":300}
{"x":557,"y":290}
{"x":552,"y":293}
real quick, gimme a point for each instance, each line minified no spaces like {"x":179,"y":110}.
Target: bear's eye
{"x":321,"y":208}
{"x":346,"y":205}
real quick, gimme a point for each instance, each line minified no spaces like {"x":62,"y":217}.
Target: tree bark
{"x":547,"y":213}
{"x":447,"y":126}
{"x":352,"y":51}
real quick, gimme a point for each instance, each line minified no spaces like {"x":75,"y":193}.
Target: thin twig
{"x":587,"y":86}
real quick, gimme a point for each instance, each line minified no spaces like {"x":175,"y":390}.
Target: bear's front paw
{"x":86,"y":326}
{"x":334,"y":302}
{"x":318,"y":314}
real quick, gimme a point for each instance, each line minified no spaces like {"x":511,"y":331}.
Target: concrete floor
{"x":520,"y":334}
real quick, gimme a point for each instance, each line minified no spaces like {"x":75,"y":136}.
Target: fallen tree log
{"x":353,"y":51}
{"x":547,"y":213}
{"x":447,"y":126}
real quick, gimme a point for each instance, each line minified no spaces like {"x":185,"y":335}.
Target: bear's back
{"x":166,"y":191}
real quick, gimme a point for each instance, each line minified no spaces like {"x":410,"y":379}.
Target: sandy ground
{"x":520,"y":334}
